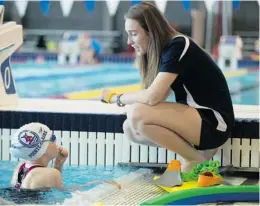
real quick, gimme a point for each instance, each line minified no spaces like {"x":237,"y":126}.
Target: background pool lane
{"x":250,"y":97}
{"x":245,"y":89}
{"x":44,"y":82}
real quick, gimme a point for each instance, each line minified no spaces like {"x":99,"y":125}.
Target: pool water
{"x":244,"y":89}
{"x":48,"y":80}
{"x":72,"y":175}
{"x":34,"y":82}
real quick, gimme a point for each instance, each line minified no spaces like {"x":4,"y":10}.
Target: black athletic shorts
{"x":211,"y":138}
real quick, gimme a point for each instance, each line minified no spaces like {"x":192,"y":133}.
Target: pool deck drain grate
{"x":135,"y":193}
{"x":144,"y":190}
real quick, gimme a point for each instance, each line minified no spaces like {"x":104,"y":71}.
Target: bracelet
{"x":109,"y":97}
{"x":119,"y":103}
{"x":107,"y":101}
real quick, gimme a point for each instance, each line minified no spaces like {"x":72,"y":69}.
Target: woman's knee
{"x":128,"y":132}
{"x":126,"y":126}
{"x":136,"y":115}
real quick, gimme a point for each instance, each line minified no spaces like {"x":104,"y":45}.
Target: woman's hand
{"x":105,"y":94}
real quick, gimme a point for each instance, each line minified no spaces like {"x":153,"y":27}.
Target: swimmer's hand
{"x":61,"y":158}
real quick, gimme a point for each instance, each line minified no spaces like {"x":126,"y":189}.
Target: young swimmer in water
{"x":36,"y":144}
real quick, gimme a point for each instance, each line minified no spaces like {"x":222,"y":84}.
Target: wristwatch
{"x":119,"y":103}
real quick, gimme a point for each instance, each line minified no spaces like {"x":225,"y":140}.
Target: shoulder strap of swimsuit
{"x":22,"y":166}
{"x":31,"y":168}
{"x":20,"y":175}
{"x":23,"y":171}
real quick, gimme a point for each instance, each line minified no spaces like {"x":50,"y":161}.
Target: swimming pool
{"x":72,"y":175}
{"x":45,"y":80}
{"x":49,"y":80}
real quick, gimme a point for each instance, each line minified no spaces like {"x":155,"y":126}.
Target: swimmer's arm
{"x":52,"y":178}
{"x":58,"y":167}
{"x":61,"y":158}
{"x":78,"y":187}
{"x":153,"y":95}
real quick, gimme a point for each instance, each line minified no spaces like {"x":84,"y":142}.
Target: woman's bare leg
{"x":135,"y":137}
{"x":173,"y":126}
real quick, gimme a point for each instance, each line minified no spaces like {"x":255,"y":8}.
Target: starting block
{"x":11,"y":38}
{"x":230,"y":51}
{"x":69,"y":49}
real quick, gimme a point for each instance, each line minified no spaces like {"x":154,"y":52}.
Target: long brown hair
{"x":159,"y":32}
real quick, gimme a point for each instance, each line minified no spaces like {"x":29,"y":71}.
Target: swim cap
{"x":31,"y":141}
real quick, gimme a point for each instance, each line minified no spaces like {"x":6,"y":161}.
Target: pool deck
{"x":97,"y":107}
